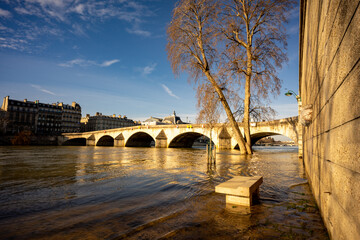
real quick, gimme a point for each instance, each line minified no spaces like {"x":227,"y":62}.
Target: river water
{"x":151,"y":193}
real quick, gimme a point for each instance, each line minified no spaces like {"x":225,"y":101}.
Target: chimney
{"x":114,"y":115}
{"x":119,"y":116}
{"x":25,"y":100}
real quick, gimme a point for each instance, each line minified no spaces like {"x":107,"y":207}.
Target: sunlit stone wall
{"x":330,"y":82}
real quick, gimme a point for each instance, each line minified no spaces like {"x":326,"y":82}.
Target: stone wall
{"x":330,"y":82}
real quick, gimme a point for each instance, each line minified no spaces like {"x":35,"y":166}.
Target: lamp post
{"x":298,"y":99}
{"x":291,"y":92}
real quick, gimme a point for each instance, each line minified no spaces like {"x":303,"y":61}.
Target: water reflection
{"x":149,"y":193}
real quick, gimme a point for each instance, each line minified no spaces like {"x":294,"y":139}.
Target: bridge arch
{"x":185,"y":140}
{"x":257,"y":136}
{"x":139,"y":139}
{"x":75,"y":142}
{"x":105,"y":140}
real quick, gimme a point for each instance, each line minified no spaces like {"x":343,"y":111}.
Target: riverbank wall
{"x":329,"y":82}
{"x":6,"y":140}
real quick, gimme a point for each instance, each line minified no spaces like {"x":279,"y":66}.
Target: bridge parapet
{"x":183,"y":135}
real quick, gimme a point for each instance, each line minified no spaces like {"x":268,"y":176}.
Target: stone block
{"x":340,"y":223}
{"x":343,"y":106}
{"x":240,"y":190}
{"x":240,"y":186}
{"x":345,"y":58}
{"x":245,"y":201}
{"x":344,"y":142}
{"x":344,"y":190}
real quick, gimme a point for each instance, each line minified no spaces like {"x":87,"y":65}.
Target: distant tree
{"x":192,"y":47}
{"x":209,"y":106}
{"x":22,"y":138}
{"x":255,"y":40}
{"x":258,"y":111}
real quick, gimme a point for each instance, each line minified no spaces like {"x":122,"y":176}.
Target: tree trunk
{"x":247,"y":100}
{"x":238,"y":136}
{"x":247,"y":113}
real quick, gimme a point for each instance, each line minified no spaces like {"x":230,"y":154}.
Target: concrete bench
{"x":240,"y":190}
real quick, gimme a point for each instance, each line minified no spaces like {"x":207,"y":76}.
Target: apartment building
{"x":40,"y":118}
{"x":102,"y":122}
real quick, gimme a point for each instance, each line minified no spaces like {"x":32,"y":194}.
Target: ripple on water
{"x":150,"y":193}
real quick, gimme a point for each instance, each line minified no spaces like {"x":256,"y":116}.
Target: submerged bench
{"x":240,"y":190}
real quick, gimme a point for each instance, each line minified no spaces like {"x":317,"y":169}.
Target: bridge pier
{"x":161,"y":143}
{"x":161,"y":140}
{"x":119,"y":141}
{"x":224,"y":140}
{"x":90,"y":141}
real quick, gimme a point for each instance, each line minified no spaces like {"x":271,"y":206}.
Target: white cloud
{"x":139,"y":32}
{"x":42,"y":89}
{"x":78,"y":30}
{"x":148,"y":69}
{"x":79,"y":62}
{"x":80,"y":9}
{"x":109,"y":63}
{"x":69,"y":17}
{"x":2,"y":27}
{"x":5,"y":13}
{"x":52,"y":3}
{"x":21,"y":10}
{"x":87,"y":63}
{"x":15,"y":44}
{"x":169,"y":91}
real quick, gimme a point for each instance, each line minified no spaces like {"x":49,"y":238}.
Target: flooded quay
{"x":151,"y":193}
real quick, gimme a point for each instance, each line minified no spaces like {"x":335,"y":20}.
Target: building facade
{"x":173,"y":119}
{"x":153,"y":121}
{"x":48,"y":119}
{"x":39,"y":118}
{"x":71,"y":117}
{"x":102,"y":122}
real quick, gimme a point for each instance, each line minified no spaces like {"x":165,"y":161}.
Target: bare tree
{"x":209,"y":106}
{"x":209,"y":113}
{"x":258,"y":111}
{"x":192,"y":48}
{"x":208,"y":103}
{"x":255,"y":41}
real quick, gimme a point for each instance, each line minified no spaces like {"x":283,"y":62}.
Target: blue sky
{"x":109,"y":56}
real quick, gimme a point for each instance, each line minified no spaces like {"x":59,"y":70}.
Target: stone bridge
{"x":181,"y":135}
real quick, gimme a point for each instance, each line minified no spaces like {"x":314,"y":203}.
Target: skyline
{"x":109,"y":57}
